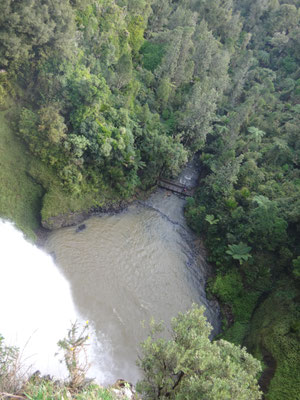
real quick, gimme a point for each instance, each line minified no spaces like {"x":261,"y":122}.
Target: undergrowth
{"x":15,"y":383}
{"x":31,"y":192}
{"x":268,"y":326}
{"x":20,"y":198}
{"x":275,"y":330}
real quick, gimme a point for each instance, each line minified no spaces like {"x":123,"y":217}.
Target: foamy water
{"x":36,"y":306}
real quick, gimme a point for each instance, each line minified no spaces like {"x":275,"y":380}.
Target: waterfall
{"x":36,"y":306}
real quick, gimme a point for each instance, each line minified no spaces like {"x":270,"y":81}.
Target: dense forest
{"x":105,"y":96}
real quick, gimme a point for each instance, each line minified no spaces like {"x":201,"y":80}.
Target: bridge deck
{"x":175,"y":187}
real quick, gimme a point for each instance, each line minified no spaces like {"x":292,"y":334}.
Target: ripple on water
{"x":120,"y":270}
{"x":126,"y":268}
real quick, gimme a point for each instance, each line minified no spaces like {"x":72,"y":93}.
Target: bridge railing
{"x":174,"y":187}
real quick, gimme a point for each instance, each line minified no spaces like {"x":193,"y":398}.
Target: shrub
{"x":11,"y":371}
{"x":75,"y":357}
{"x":227,"y":287}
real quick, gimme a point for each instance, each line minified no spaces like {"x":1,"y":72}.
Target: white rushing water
{"x":36,"y":306}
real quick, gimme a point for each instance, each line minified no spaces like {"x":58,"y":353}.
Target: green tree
{"x":176,"y":64}
{"x":197,"y":114}
{"x":190,"y":366}
{"x":136,"y":29}
{"x":267,"y":224}
{"x":28,"y":27}
{"x":123,"y":73}
{"x":52,"y":124}
{"x":240,"y":252}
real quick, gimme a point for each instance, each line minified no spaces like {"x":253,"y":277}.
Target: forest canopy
{"x":108,"y":95}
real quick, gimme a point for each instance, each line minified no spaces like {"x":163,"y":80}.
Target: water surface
{"x":126,"y":268}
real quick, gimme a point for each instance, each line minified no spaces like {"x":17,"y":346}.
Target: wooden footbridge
{"x":175,"y":187}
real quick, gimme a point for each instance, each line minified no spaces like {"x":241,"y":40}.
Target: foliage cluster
{"x":48,"y":390}
{"x":10,"y":369}
{"x":275,"y":331}
{"x":110,"y":94}
{"x":75,"y":354}
{"x":15,"y":382}
{"x":247,"y":204}
{"x":113,"y":94}
{"x":188,"y":365}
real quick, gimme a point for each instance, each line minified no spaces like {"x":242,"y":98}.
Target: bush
{"x":11,"y":373}
{"x":227,"y":287}
{"x":75,"y":356}
{"x":189,"y":366}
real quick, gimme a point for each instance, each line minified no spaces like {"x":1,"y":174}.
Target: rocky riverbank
{"x":74,"y":218}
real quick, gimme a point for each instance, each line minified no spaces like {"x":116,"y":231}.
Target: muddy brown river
{"x":129,"y":267}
